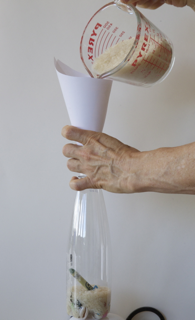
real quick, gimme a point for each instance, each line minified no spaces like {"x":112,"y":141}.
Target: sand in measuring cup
{"x":97,"y":301}
{"x":147,"y":65}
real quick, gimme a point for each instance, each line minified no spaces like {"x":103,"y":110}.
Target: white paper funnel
{"x":86,"y":98}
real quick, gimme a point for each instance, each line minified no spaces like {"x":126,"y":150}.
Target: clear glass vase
{"x":89,"y":258}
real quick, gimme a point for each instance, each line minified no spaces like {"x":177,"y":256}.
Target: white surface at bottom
{"x":110,"y":316}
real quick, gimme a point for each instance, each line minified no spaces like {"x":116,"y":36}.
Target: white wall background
{"x":153,"y":235}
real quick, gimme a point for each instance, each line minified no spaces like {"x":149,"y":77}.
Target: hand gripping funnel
{"x":86,"y":98}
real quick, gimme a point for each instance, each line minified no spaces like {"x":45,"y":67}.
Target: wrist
{"x":165,"y":170}
{"x":156,"y":171}
{"x":141,"y":177}
{"x":138,"y":178}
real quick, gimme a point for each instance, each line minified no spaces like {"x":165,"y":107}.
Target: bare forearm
{"x":166,"y":170}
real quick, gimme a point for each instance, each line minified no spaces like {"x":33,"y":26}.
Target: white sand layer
{"x":97,"y":301}
{"x":149,"y":62}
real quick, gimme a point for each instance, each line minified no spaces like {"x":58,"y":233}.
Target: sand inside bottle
{"x":96,"y":301}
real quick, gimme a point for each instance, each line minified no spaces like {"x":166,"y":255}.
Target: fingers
{"x":147,"y":4}
{"x":81,"y":184}
{"x":151,"y":4}
{"x":128,"y":1}
{"x":76,"y":134}
{"x":101,"y":158}
{"x":89,"y":137}
{"x":74,"y":165}
{"x":133,"y":2}
{"x":71,"y":150}
{"x":141,"y":2}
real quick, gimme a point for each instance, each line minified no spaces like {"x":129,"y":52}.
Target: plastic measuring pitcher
{"x":120,"y":43}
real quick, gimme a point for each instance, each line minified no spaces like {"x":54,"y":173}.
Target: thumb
{"x":81,"y":184}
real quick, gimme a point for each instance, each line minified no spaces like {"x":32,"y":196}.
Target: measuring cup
{"x":120,"y":43}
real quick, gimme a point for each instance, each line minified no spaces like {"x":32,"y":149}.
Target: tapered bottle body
{"x":89,"y":258}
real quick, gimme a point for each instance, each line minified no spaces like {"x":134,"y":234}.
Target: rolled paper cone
{"x":86,"y":98}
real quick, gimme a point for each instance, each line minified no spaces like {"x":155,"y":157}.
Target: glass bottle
{"x":89,"y":258}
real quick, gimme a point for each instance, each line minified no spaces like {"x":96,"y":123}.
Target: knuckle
{"x":93,"y":138}
{"x":85,"y":155}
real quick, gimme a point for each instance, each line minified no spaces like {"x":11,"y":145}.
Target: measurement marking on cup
{"x":97,"y":42}
{"x":109,"y":40}
{"x":118,"y":40}
{"x":105,"y":41}
{"x":113,"y":41}
{"x":101,"y":42}
{"x":154,"y":64}
{"x":161,"y":45}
